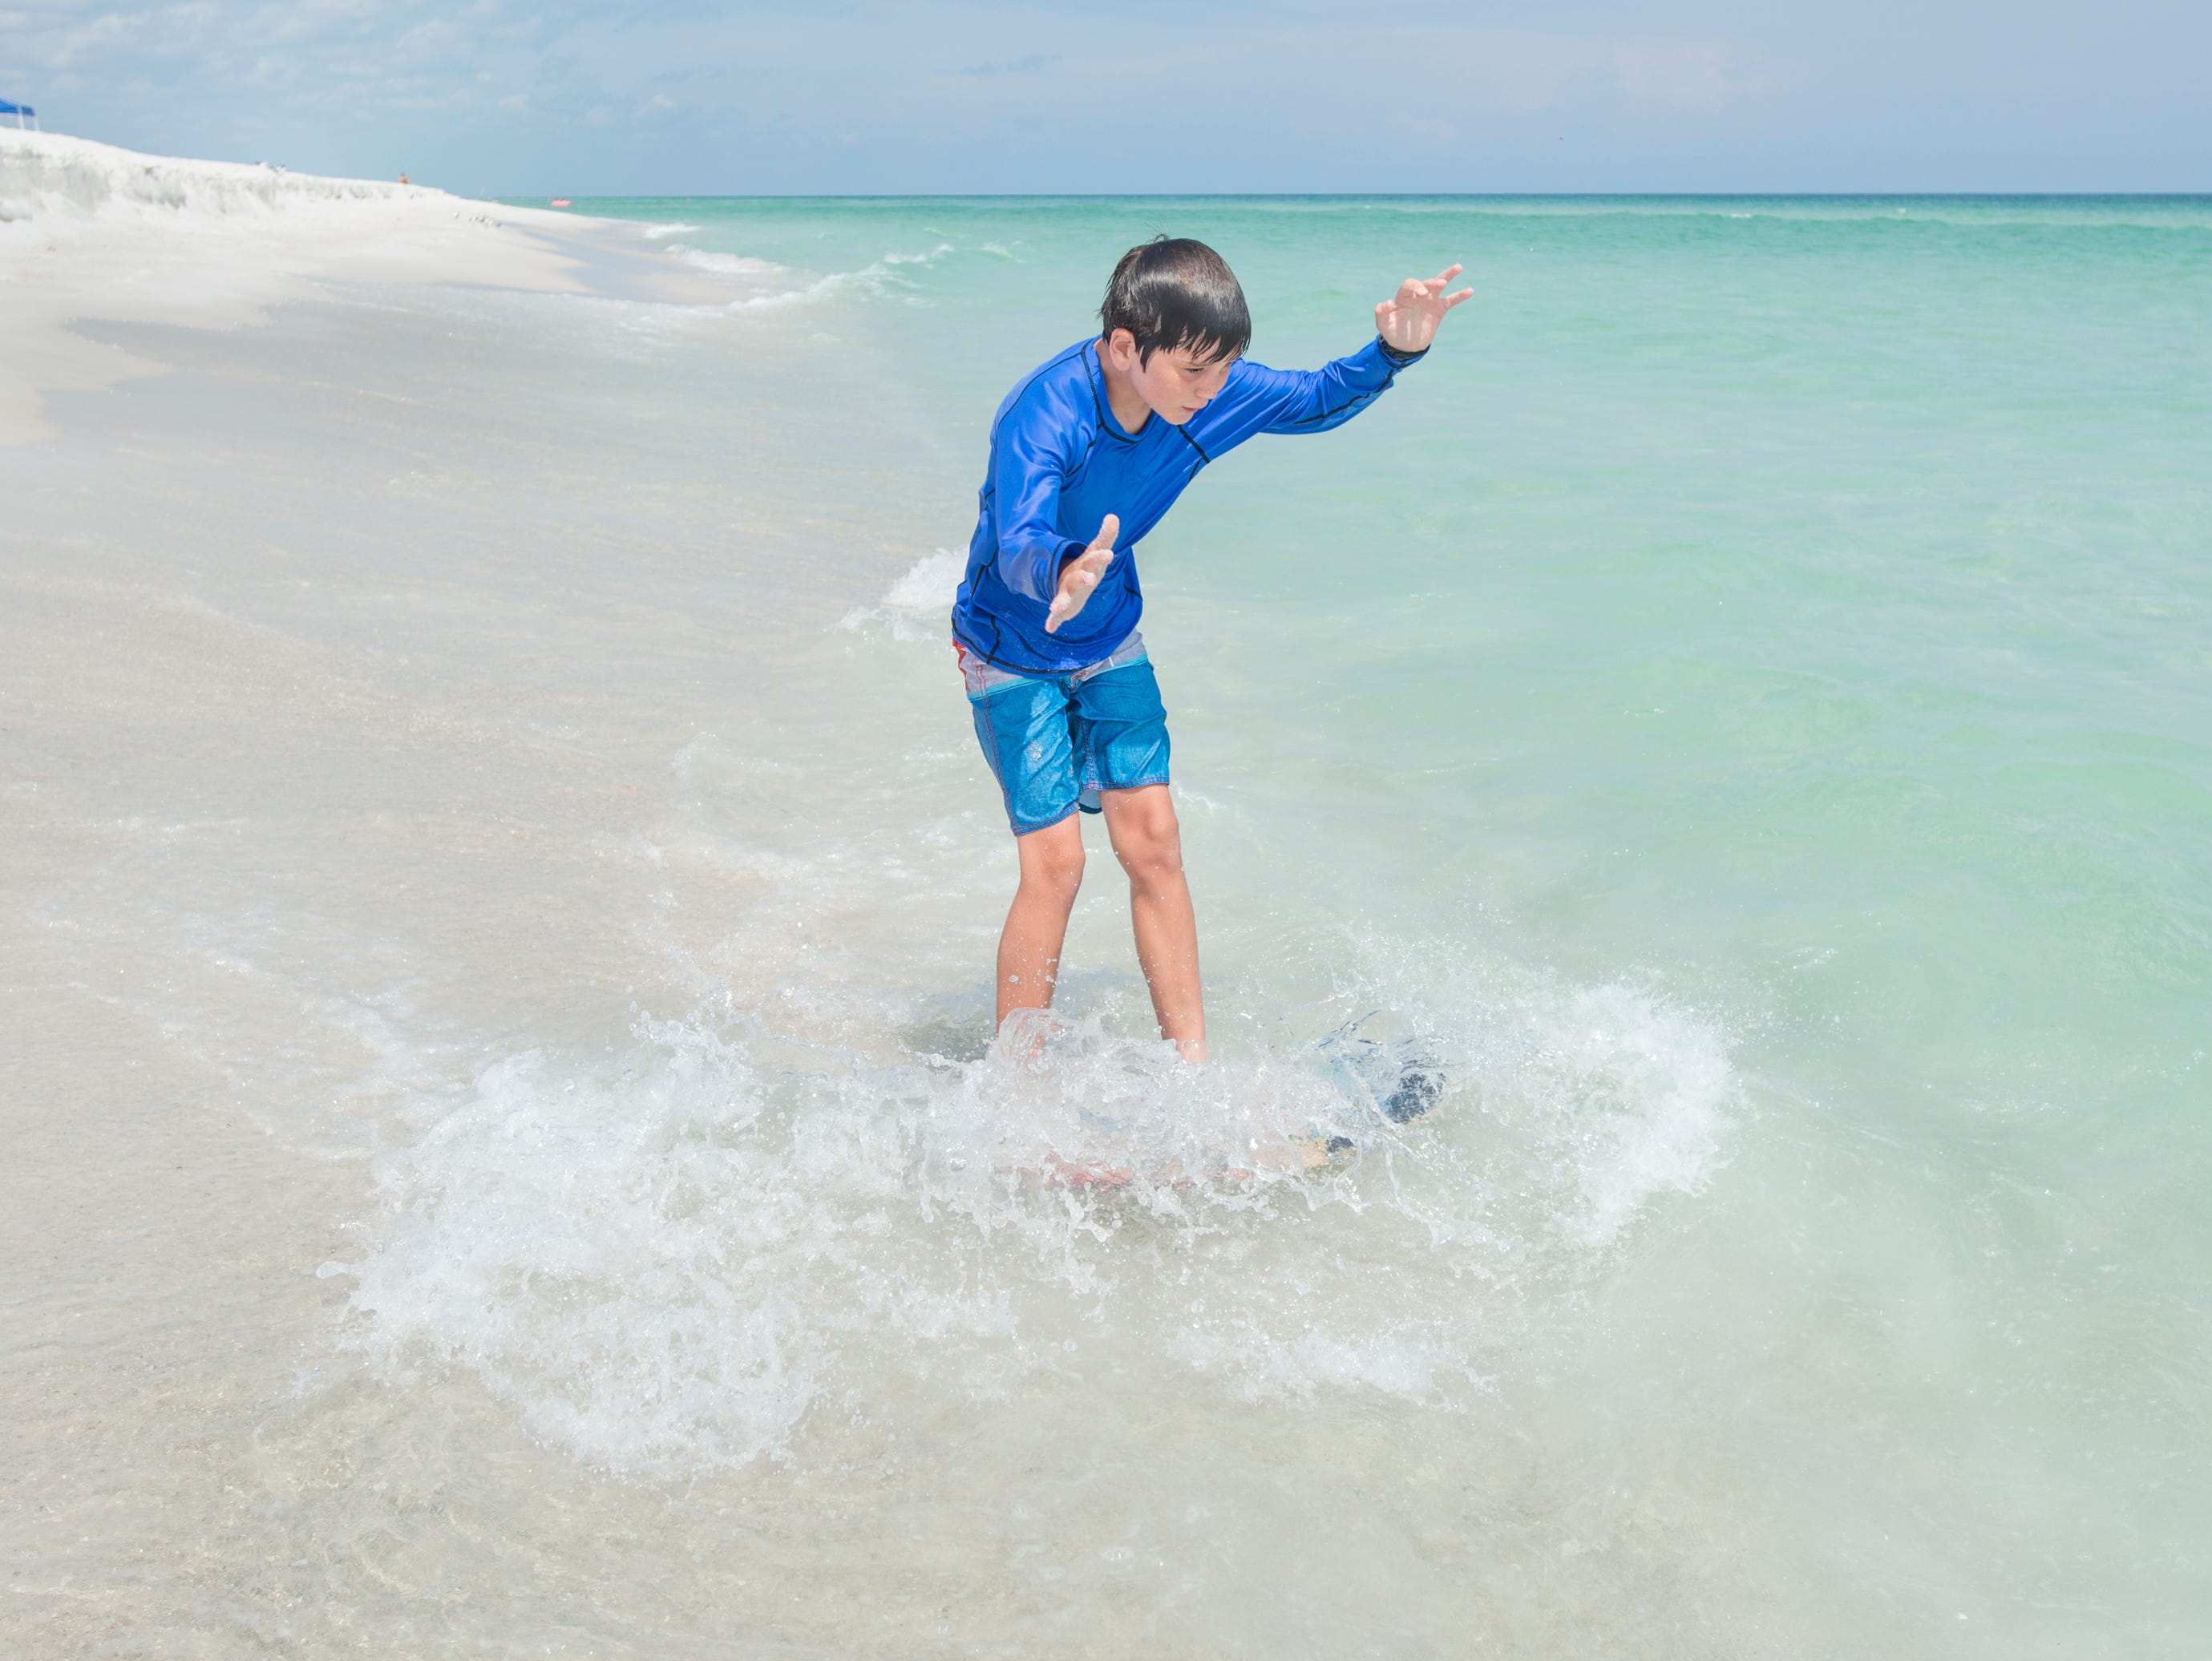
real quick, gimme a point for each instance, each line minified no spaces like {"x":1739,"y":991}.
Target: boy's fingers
{"x":1108,"y":529}
{"x":1076,"y":584}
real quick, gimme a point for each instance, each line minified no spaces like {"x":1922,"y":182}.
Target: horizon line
{"x":1364,"y":195}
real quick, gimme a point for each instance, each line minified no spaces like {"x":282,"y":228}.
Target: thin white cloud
{"x":438,"y":38}
{"x":1513,"y":69}
{"x":1692,"y":76}
{"x":101,"y":34}
{"x":1035,"y":63}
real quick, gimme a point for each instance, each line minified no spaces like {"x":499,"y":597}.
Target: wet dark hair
{"x":1172,"y":292}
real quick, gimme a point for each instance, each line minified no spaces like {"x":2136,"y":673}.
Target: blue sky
{"x":859,"y":96}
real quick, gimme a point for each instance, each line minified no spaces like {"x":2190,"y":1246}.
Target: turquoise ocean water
{"x":1746,"y":702}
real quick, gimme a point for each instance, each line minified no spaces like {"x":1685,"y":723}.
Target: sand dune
{"x":90,"y":231}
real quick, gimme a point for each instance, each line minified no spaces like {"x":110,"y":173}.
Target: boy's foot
{"x":1086,"y":1178}
{"x":1024,"y":1036}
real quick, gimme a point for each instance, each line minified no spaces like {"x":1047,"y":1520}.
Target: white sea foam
{"x":726,"y":264}
{"x":913,"y":607}
{"x":867,"y":279}
{"x":820,"y":287}
{"x":930,"y":584}
{"x":1663,"y":1088}
{"x":665,"y":1259}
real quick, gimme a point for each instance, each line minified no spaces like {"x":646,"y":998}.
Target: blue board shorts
{"x":1054,"y":742}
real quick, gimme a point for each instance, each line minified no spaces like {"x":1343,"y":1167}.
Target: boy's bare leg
{"x":1149,"y":844}
{"x":1036,"y":923}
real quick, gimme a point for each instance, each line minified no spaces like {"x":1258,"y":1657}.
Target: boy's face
{"x":1175,"y":385}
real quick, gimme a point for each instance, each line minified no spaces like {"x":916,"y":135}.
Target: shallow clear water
{"x":1739,"y":709}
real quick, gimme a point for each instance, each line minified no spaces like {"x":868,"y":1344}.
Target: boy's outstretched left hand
{"x":1408,"y":321}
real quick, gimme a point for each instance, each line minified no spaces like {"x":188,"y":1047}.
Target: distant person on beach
{"x":1088,"y":453}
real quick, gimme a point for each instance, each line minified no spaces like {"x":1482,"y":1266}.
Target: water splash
{"x":666,"y":1260}
{"x":914,"y":607}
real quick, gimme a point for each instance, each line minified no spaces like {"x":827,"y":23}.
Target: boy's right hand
{"x":1082,"y":575}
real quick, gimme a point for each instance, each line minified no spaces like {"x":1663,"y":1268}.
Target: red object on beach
{"x":559,"y":201}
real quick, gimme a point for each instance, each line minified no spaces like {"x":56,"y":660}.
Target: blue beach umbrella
{"x":22,"y":112}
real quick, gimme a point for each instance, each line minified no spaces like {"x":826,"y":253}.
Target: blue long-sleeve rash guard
{"x":1060,"y":464}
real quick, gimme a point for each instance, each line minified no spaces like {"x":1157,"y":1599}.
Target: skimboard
{"x":1397,"y":1077}
{"x":1397,"y":1080}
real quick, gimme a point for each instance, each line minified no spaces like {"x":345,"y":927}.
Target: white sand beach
{"x":90,"y":231}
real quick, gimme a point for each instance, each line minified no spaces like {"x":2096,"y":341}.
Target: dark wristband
{"x":1398,"y":359}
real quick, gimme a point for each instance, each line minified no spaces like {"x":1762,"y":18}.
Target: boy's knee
{"x":1148,"y":864}
{"x":1149,"y":845}
{"x":1054,"y":860}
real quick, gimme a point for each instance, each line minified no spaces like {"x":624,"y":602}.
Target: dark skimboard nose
{"x":1419,"y":1086}
{"x":1401,"y":1080}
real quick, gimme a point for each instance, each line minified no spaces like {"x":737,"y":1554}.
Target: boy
{"x":1105,"y":436}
